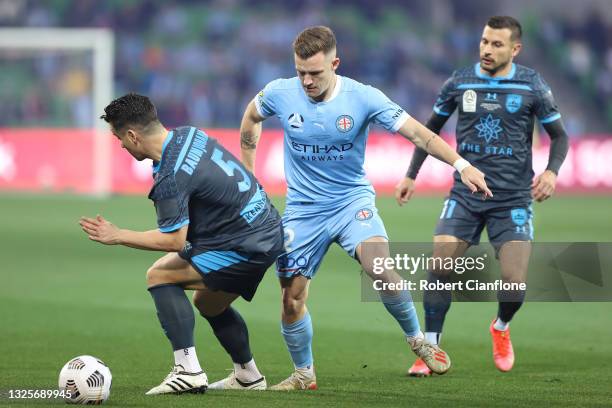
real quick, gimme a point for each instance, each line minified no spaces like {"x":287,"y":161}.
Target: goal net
{"x":55,"y":84}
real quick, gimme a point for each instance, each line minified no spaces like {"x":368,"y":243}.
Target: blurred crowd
{"x":583,"y":50}
{"x":201,"y":61}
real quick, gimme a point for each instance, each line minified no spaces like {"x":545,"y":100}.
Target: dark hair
{"x":499,"y":22}
{"x":130,"y":109}
{"x":314,"y":40}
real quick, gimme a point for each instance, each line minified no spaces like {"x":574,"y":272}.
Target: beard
{"x":492,"y":70}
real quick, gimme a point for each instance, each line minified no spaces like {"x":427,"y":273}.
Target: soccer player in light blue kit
{"x":326,"y":119}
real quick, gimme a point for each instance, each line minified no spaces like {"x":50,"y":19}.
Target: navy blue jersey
{"x":200,"y":184}
{"x":495,"y":122}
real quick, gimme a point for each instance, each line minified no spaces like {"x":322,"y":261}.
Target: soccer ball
{"x":85,"y":380}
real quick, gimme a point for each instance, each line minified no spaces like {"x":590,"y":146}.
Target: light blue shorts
{"x":309,"y":231}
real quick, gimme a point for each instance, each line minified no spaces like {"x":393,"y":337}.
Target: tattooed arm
{"x":250,"y":131}
{"x":435,"y":146}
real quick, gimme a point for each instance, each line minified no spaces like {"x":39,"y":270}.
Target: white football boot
{"x":233,"y":383}
{"x":179,"y":381}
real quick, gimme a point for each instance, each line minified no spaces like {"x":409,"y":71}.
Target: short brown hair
{"x":313,"y":40}
{"x":499,"y":22}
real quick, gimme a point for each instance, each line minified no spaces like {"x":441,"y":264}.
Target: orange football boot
{"x":419,"y":369}
{"x":503,"y":353}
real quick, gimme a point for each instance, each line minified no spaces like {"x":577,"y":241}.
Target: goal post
{"x":101,"y":43}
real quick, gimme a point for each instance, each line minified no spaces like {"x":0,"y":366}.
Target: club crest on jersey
{"x":344,"y":123}
{"x":513,"y":102}
{"x":295,"y":120}
{"x":519,"y":216}
{"x":363,"y":214}
{"x":469,"y":100}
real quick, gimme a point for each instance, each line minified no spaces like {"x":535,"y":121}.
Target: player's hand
{"x":404,"y":190}
{"x":100,"y":230}
{"x":474,"y":179}
{"x":543,"y":186}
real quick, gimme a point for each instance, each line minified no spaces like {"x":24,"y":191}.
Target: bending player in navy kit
{"x":326,"y":118}
{"x":497,"y":102}
{"x":219,"y":228}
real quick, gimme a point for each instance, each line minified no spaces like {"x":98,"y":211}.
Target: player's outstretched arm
{"x":100,"y":230}
{"x":435,"y":146}
{"x":250,"y":131}
{"x":406,"y":186}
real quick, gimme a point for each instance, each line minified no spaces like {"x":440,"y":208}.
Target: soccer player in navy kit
{"x":497,"y":102}
{"x":221,"y":232}
{"x":326,"y":119}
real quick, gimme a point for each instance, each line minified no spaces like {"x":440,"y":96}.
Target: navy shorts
{"x":233,"y":271}
{"x":508,"y":216}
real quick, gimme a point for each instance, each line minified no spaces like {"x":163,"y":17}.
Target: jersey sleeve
{"x":265,"y":100}
{"x":383,"y":111}
{"x":171,"y":204}
{"x":445,"y":104}
{"x":546,"y":108}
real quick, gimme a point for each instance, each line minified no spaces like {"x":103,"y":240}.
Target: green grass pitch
{"x":62,"y":296}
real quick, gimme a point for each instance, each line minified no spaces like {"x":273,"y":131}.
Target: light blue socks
{"x":402,"y":309}
{"x":298,"y":337}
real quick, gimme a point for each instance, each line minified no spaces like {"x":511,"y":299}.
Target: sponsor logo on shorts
{"x":519,"y":216}
{"x":291,"y":264}
{"x":363,"y":214}
{"x":187,"y":246}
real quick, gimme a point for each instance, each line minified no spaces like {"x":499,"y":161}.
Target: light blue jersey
{"x":325,"y":141}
